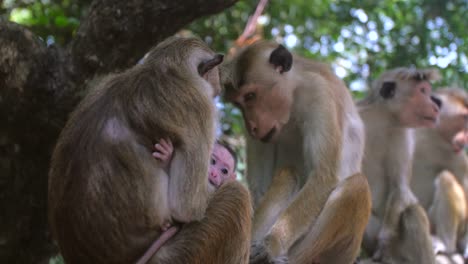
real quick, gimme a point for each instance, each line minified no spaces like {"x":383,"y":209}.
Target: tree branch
{"x":117,"y":33}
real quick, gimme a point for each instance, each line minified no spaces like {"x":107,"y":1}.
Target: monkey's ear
{"x":387,"y":90}
{"x":207,"y":65}
{"x":281,"y":58}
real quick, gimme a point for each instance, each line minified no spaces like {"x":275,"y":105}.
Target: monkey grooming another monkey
{"x":440,"y":172}
{"x":109,"y":198}
{"x":300,"y":115}
{"x":399,"y":100}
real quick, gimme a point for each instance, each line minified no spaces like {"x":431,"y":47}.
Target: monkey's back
{"x":102,"y":184}
{"x":349,"y":120}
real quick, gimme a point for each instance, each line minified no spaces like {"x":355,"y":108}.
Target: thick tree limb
{"x":117,"y":33}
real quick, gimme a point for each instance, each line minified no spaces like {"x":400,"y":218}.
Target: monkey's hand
{"x":384,"y":238}
{"x":163,"y":152}
{"x":259,"y":255}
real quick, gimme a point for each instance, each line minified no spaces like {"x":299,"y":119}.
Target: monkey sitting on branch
{"x":110,"y":199}
{"x":399,"y":100}
{"x":298,"y":113}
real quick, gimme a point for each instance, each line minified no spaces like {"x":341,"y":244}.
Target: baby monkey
{"x":223,"y":161}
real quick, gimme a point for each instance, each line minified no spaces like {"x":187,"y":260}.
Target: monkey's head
{"x":187,"y":58}
{"x":407,"y":95}
{"x":261,"y":86}
{"x":453,"y":124}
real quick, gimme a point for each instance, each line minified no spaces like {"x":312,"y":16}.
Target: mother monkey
{"x":109,"y":199}
{"x":304,"y":117}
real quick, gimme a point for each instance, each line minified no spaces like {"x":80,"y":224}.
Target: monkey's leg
{"x":369,"y":241}
{"x":222,"y":236}
{"x":337,"y":234}
{"x":399,"y":199}
{"x":447,"y":212}
{"x":277,"y":197}
{"x":413,"y":243}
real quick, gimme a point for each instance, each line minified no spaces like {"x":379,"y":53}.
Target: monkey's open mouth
{"x":213,"y":183}
{"x":269,"y":135}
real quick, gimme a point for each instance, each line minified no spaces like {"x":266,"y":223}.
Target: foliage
{"x":360,"y":38}
{"x":55,"y":21}
{"x":56,"y":260}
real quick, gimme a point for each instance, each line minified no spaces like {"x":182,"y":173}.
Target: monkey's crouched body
{"x":108,"y":196}
{"x":299,"y":114}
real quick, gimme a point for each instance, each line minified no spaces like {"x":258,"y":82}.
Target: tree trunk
{"x":40,"y":85}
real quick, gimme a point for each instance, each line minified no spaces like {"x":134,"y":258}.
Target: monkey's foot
{"x":259,"y":255}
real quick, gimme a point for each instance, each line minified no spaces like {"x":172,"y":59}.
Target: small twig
{"x":251,"y":24}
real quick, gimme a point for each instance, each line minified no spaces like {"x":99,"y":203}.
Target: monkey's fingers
{"x":169,"y":142}
{"x":159,"y":148}
{"x":166,"y":144}
{"x":163,"y":142}
{"x":259,"y":255}
{"x":378,"y":255}
{"x":158,"y":155}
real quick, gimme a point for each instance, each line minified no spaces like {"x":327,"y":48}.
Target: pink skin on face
{"x":221,"y":166}
{"x":222,"y":163}
{"x":460,"y":140}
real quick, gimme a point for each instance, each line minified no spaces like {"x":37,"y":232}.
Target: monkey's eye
{"x":423,"y":90}
{"x":249,"y":97}
{"x":212,"y":162}
{"x":236,"y":104}
{"x":224,"y":171}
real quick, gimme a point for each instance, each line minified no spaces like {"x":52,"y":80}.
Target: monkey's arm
{"x":322,"y":155}
{"x":260,"y":167}
{"x":222,"y":236}
{"x":400,"y":196}
{"x":278,"y":196}
{"x":188,"y":183}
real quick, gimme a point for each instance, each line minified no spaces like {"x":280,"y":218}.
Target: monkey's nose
{"x":213,"y":175}
{"x":437,"y":101}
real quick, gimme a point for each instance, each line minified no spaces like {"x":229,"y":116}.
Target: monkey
{"x":223,"y":161}
{"x":440,"y":172}
{"x":223,"y":164}
{"x":397,"y":102}
{"x":303,"y":127}
{"x":109,"y":198}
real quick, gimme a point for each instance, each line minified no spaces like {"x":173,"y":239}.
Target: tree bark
{"x":40,"y":85}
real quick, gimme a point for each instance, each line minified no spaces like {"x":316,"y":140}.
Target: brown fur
{"x":319,"y":133}
{"x":222,"y":237}
{"x":440,"y":174}
{"x":398,"y":230}
{"x":108,"y":197}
